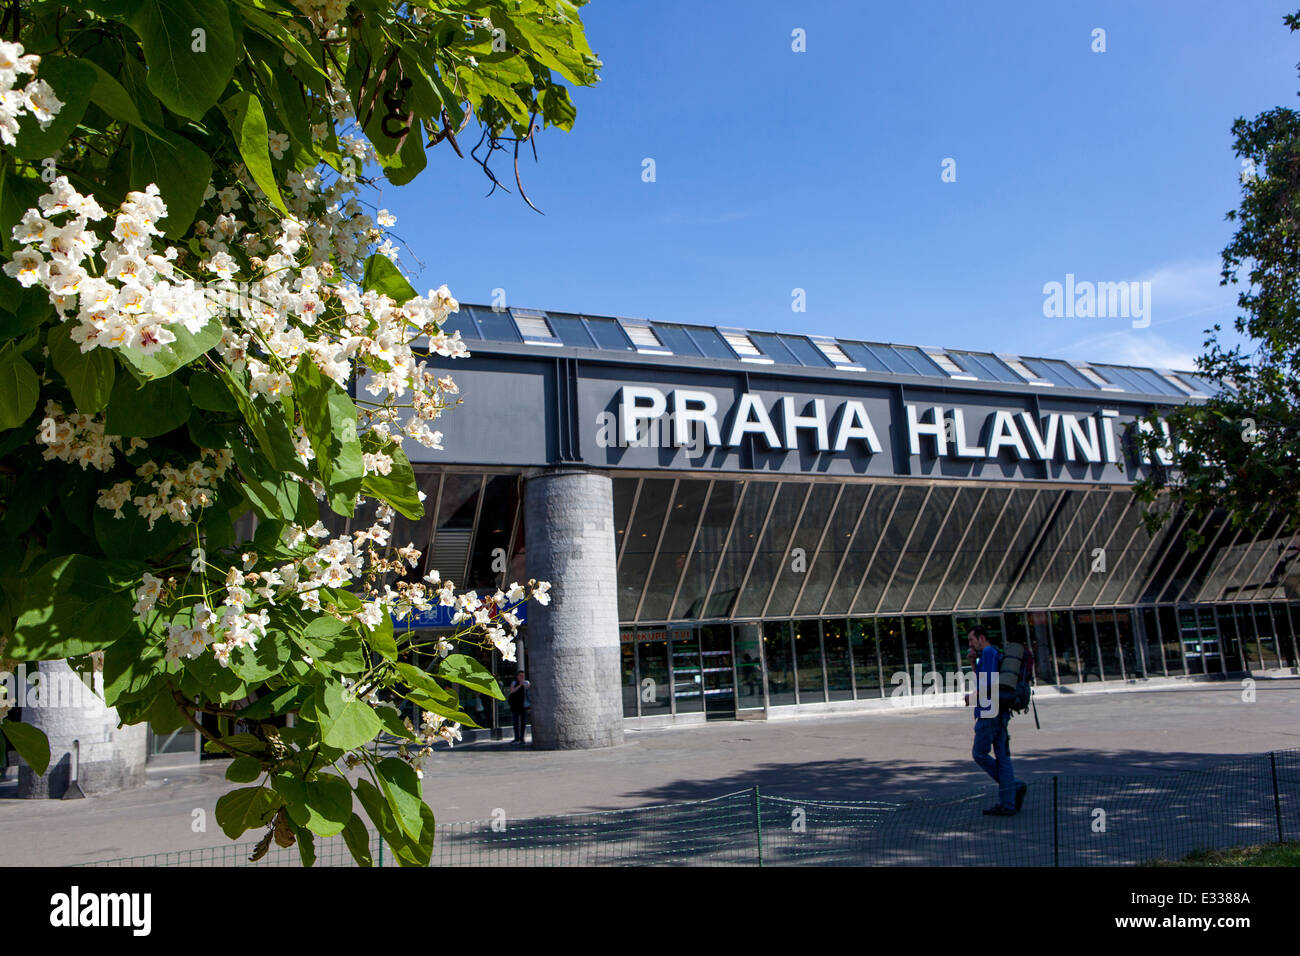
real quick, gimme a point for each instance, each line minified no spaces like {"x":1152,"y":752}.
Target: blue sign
{"x":440,"y":615}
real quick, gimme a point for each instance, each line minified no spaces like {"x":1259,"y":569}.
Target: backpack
{"x":1015,"y":671}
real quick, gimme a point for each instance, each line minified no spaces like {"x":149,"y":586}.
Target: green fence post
{"x":1056,"y":822}
{"x":758,"y":824}
{"x":381,"y":850}
{"x":1277,"y":796}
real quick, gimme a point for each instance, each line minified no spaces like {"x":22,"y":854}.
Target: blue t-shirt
{"x":986,"y":687}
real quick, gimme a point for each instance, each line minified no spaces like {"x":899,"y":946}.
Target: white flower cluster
{"x":434,"y":728}
{"x":127,"y":295}
{"x":36,"y":98}
{"x":79,"y":438}
{"x":179,"y":494}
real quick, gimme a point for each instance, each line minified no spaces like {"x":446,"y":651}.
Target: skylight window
{"x":1021,"y":369}
{"x":1177,"y":383}
{"x":644,"y":338}
{"x":831,"y":349}
{"x":1092,"y":376}
{"x":533,"y":327}
{"x":946,"y":363}
{"x":744,"y":346}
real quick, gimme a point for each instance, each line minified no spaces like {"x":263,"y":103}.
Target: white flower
{"x":279,"y":142}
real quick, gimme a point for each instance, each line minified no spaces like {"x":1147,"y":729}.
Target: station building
{"x":744,"y":524}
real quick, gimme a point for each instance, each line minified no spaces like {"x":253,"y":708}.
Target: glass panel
{"x":492,"y":538}
{"x":916,"y":644}
{"x":570,"y":330}
{"x":749,"y":522}
{"x":980,"y":526}
{"x":406,"y":531}
{"x":719,"y":676}
{"x":497,"y":326}
{"x":1062,"y":373}
{"x":1171,"y":642}
{"x":948,"y":656}
{"x":893,"y":361}
{"x":1041,"y":571}
{"x":1006,"y":548}
{"x":624,"y":492}
{"x":608,"y":335}
{"x":676,"y":340}
{"x":866,"y":665}
{"x":1265,"y":624}
{"x":775,"y":349}
{"x":1231,"y":637}
{"x":808,"y":661}
{"x":890,"y":548}
{"x":864,"y":356}
{"x":652,"y":659}
{"x":711,"y":343}
{"x":461,"y":322}
{"x":773,"y":549}
{"x":1124,"y":516}
{"x":838,"y":537}
{"x":839,"y":672}
{"x":1039,"y":624}
{"x":921,"y":363}
{"x":882,"y":500}
{"x":688,"y":682}
{"x":708,"y":548}
{"x":1246,"y":627}
{"x":672,"y":555}
{"x":1069,"y":668}
{"x":1149,"y":638}
{"x":449,"y":551}
{"x":1191,"y":577}
{"x":780,"y":663}
{"x":749,"y":666}
{"x":627,"y":658}
{"x":923,"y":535}
{"x":792,"y":570}
{"x":1085,"y":639}
{"x":945,"y":547}
{"x":805,"y":351}
{"x":893,"y":665}
{"x":634,"y":569}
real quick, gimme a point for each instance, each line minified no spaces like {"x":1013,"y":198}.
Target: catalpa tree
{"x":209,"y":357}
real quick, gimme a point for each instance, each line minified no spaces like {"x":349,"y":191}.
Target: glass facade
{"x":741,"y":593}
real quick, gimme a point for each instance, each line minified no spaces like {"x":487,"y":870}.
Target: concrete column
{"x":572,"y":644}
{"x":77,"y":722}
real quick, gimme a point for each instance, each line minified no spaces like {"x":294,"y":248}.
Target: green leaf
{"x":131,"y":537}
{"x":88,"y":375}
{"x":401,"y":787}
{"x":248,"y":124}
{"x":381,"y":638}
{"x":329,"y":418}
{"x":181,"y":169}
{"x":357,"y":838}
{"x":276,"y":703}
{"x":465,"y":670}
{"x":69,"y":608}
{"x":323,"y":805}
{"x":190,"y":49}
{"x":384,"y":277}
{"x":208,"y":392}
{"x":111,"y":97}
{"x":392,"y":722}
{"x":245,"y":809}
{"x":244,"y":769}
{"x":398,"y":487}
{"x":187,"y":347}
{"x":306,"y":847}
{"x":345,"y":722}
{"x":268,"y":659}
{"x":146,"y":411}
{"x":19,"y":390}
{"x":408,"y":852}
{"x":30,"y":743}
{"x":72,"y":81}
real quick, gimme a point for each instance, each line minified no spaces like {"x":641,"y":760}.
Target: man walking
{"x":991,"y":725}
{"x":519,"y":703}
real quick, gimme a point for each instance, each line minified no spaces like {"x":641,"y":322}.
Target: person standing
{"x":519,"y":703}
{"x":991,"y":725}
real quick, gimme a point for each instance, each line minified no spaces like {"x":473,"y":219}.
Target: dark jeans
{"x":521,"y":719}
{"x":991,"y":734}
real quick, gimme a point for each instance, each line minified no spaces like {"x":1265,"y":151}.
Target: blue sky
{"x":821,"y":170}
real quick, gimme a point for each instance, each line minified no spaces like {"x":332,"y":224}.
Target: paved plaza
{"x":888,"y":756}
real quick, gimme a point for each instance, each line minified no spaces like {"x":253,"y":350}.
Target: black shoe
{"x":999,"y":811}
{"x":1020,"y":794}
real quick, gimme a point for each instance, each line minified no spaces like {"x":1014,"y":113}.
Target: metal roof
{"x":641,"y":336}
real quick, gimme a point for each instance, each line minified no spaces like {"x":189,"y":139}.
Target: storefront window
{"x":839,"y":672}
{"x":780,"y":663}
{"x":627,"y":655}
{"x":653,"y":689}
{"x":749,"y":666}
{"x":808,"y":661}
{"x":893,"y":665}
{"x":1069,"y":669}
{"x":866,"y":664}
{"x":688,"y":681}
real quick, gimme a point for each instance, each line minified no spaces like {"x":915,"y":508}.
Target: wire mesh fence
{"x":1065,"y":821}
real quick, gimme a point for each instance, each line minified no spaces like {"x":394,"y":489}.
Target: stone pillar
{"x":69,"y":713}
{"x":572,"y":644}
